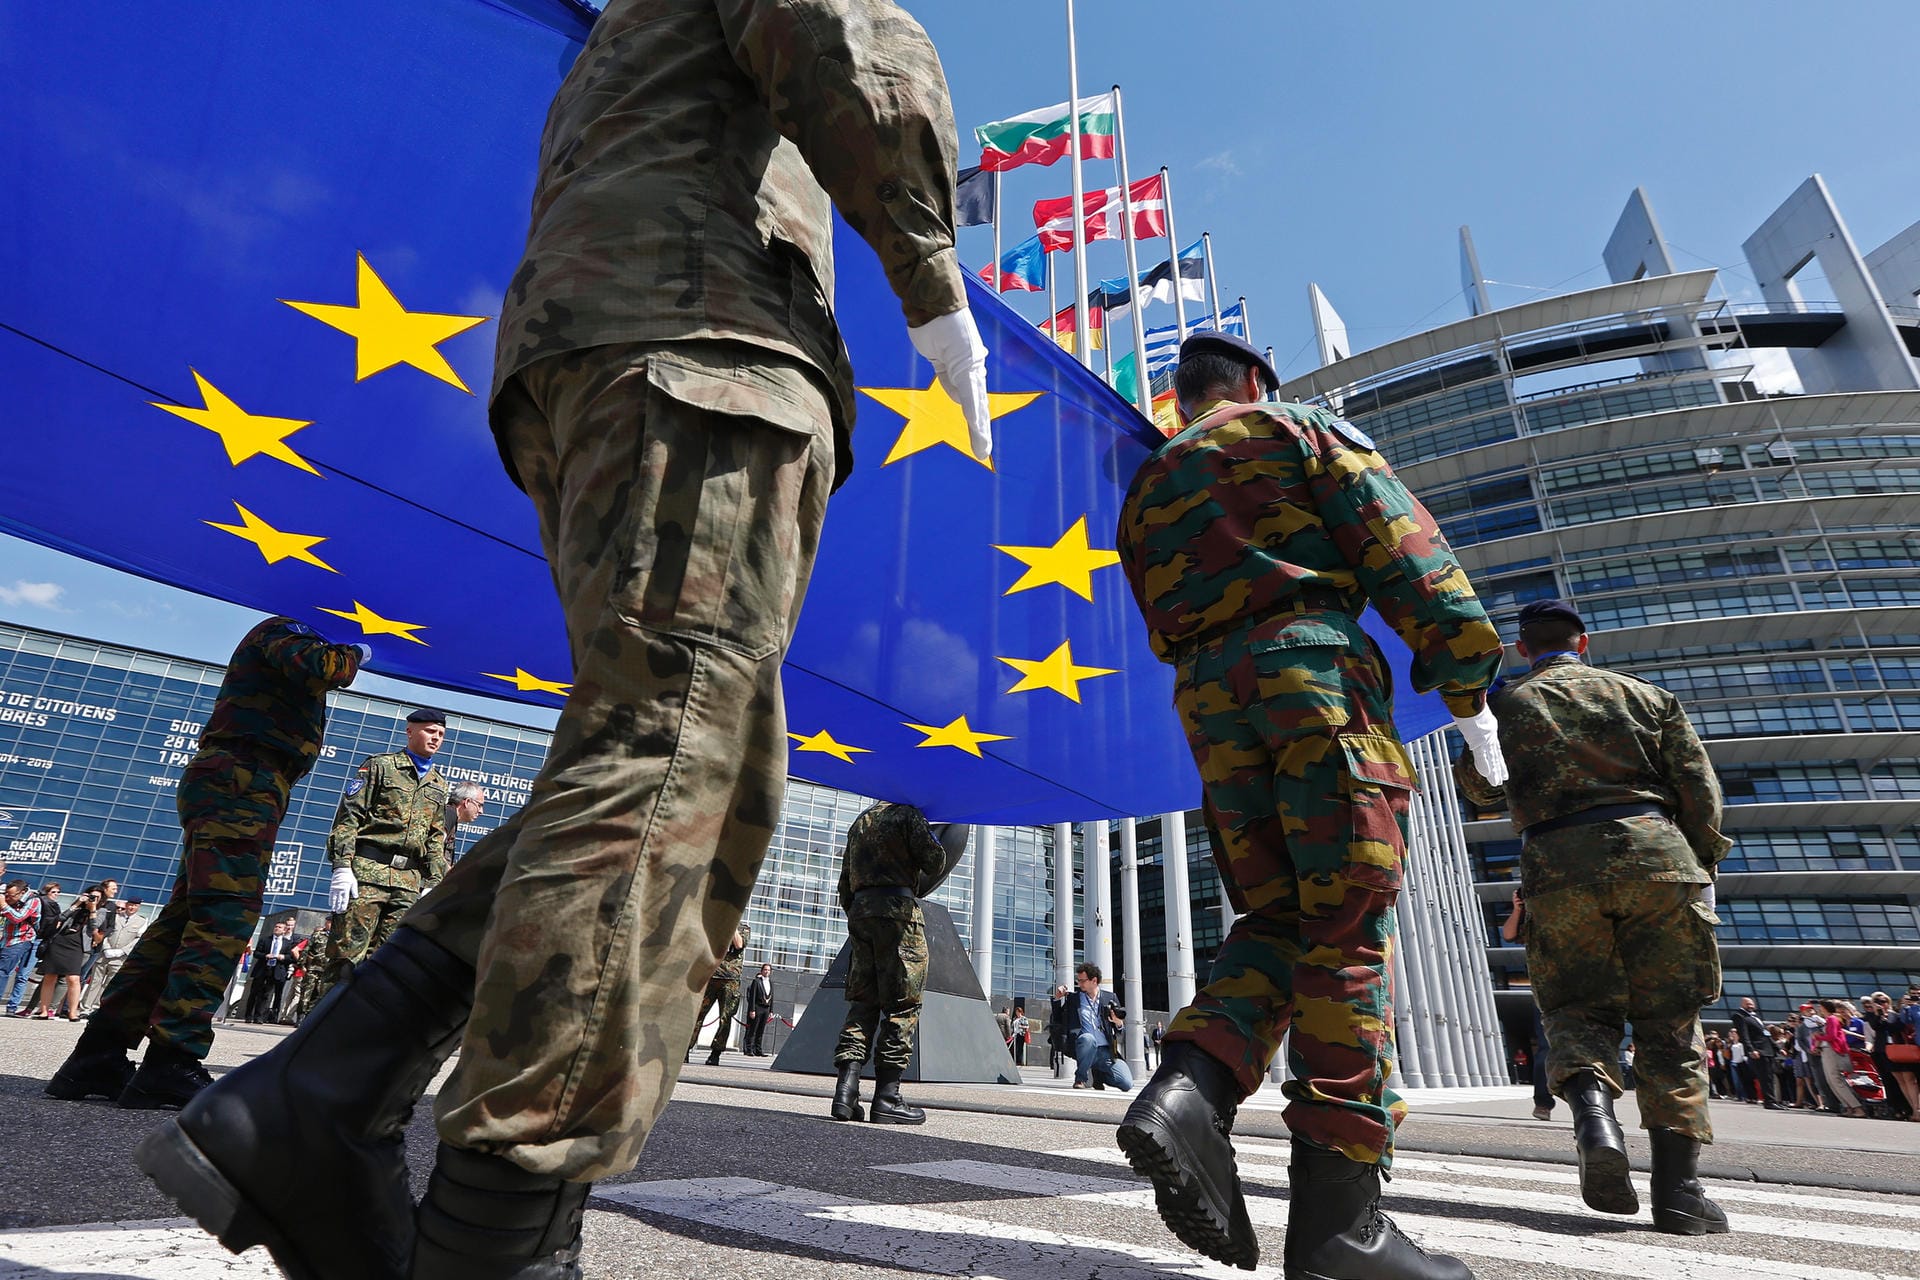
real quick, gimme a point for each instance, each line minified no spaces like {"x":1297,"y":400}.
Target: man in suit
{"x":1091,"y":1017}
{"x":272,"y":966}
{"x":1761,"y":1051}
{"x":758,"y":1002}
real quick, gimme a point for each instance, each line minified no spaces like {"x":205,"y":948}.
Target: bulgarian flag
{"x":1103,"y":214}
{"x":1041,"y":137}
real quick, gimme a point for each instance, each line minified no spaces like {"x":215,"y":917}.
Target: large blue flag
{"x":253,"y":252}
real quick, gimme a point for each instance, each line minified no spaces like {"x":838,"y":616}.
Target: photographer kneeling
{"x":1094,"y":1023}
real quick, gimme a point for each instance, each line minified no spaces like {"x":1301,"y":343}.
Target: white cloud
{"x":1773,"y":371}
{"x":1220,"y":162}
{"x":40,"y":595}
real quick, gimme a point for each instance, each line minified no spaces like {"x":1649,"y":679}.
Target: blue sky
{"x":1345,"y":145}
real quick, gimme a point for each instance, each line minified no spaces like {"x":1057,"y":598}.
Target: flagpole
{"x":1246,"y":319}
{"x":1053,"y":307}
{"x":1080,"y":331}
{"x":1213,"y":281}
{"x":999,"y":280}
{"x":1173,"y":257}
{"x":1270,"y":361}
{"x":1142,"y":391}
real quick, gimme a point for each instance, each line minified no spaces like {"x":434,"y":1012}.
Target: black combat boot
{"x":1179,"y":1133}
{"x":1335,"y":1230}
{"x":713,"y":1056}
{"x":888,"y":1106}
{"x":98,"y":1067}
{"x":486,"y":1218}
{"x":167,"y":1079}
{"x":1680,"y":1204}
{"x":846,"y":1093}
{"x":1602,"y":1147}
{"x":303,"y":1148}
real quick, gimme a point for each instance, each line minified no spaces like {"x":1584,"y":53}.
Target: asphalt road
{"x":745,"y":1177}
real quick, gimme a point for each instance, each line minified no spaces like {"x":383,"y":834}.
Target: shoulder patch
{"x":300,"y":628}
{"x":353,"y":788}
{"x":1351,"y":434}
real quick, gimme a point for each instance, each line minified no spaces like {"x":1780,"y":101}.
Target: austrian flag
{"x":1103,"y":214}
{"x":1041,"y":137}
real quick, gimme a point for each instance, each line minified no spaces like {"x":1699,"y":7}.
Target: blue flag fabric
{"x":1024,"y":266}
{"x":253,"y":252}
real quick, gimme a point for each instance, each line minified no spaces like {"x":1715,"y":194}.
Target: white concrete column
{"x":1132,"y":988}
{"x":1173,"y":856}
{"x":1063,"y":957}
{"x":1097,"y":870}
{"x":984,"y":850}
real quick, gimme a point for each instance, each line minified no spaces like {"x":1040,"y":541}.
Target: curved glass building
{"x":1754,"y":551}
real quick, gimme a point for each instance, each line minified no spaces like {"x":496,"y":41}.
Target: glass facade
{"x":93,"y":738}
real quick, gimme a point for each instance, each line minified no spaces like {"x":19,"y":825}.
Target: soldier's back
{"x":264,"y":715}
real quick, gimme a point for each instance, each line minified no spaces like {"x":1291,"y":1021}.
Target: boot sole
{"x":1674,"y":1223}
{"x":1605,"y":1183}
{"x":133,"y":1099}
{"x":79,"y":1091}
{"x":852,"y":1113}
{"x":1183,"y":1204}
{"x":173,"y":1162}
{"x":877,"y":1118}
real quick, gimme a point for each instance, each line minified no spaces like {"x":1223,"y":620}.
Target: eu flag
{"x":254,"y":252}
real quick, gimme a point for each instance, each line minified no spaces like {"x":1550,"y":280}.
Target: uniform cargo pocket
{"x":1379,"y":783}
{"x":1701,"y":920}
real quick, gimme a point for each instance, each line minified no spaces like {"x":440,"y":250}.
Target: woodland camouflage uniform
{"x":263,"y":736}
{"x":672,"y":393}
{"x":1615,"y":929}
{"x":1253,"y":540}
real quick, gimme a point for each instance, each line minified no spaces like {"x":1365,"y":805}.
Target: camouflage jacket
{"x":272,"y":704}
{"x":680,"y":196}
{"x":1576,"y":737}
{"x":390,"y":807}
{"x":889,"y":846}
{"x":1231,"y":520}
{"x":728,"y":970}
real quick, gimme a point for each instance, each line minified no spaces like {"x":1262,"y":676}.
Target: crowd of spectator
{"x":1832,"y":1055}
{"x":73,"y":951}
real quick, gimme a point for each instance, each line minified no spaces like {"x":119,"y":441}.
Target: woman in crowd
{"x":66,"y":957}
{"x":1786,"y":1063}
{"x":1739,"y":1066}
{"x":1717,"y":1083}
{"x":1830,"y":1043}
{"x":1883,"y":1021}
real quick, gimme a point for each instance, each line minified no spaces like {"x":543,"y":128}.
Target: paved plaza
{"x":747,"y":1178}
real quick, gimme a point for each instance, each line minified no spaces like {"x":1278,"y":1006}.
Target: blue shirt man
{"x":1095,"y":1067}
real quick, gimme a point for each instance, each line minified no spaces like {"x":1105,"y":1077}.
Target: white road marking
{"x":1636,"y":1257}
{"x":909,"y":1238}
{"x":164,"y":1249}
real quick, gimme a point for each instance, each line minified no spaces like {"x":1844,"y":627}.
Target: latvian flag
{"x":1041,"y":137}
{"x":1102,"y":210}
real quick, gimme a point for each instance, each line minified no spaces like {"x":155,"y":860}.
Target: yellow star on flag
{"x":1057,"y":671}
{"x":1070,"y":562}
{"x":823,"y":742}
{"x":958,"y":734}
{"x":933,"y":418}
{"x":372,"y":624}
{"x":245,"y":435}
{"x":272,"y":543}
{"x":527,"y":682}
{"x":387,"y":334}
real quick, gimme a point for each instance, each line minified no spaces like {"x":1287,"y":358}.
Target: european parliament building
{"x":1754,"y":551}
{"x":93,"y":738}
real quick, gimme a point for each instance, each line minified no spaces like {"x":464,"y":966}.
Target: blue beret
{"x":426,"y":715}
{"x":1551,"y":611}
{"x":1205,"y":341}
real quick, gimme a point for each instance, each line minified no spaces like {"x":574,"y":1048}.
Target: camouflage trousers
{"x":177,"y":973}
{"x":885,"y":983}
{"x":361,"y":929}
{"x":681,"y":490}
{"x":1306,"y":793}
{"x":724,"y":992}
{"x":1601,"y":956}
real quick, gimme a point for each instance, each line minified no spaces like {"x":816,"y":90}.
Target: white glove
{"x":343,"y":890}
{"x":1482,"y":733}
{"x":952,"y":343}
{"x":1707,"y":896}
{"x":366,"y":653}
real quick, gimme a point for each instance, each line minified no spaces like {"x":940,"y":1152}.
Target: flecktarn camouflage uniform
{"x":723,"y":989}
{"x":262,"y":738}
{"x":313,"y":969}
{"x":391,"y":829}
{"x":1614,"y":926}
{"x":890,"y":850}
{"x":672,"y":393}
{"x":1252,"y":541}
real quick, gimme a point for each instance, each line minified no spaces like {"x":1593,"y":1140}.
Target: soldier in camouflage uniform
{"x":723,"y":989}
{"x":313,"y":964}
{"x":1252,"y":541}
{"x":672,"y":392}
{"x":262,"y":738}
{"x":890,"y":852}
{"x":1618,"y":811}
{"x":389,"y":841}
